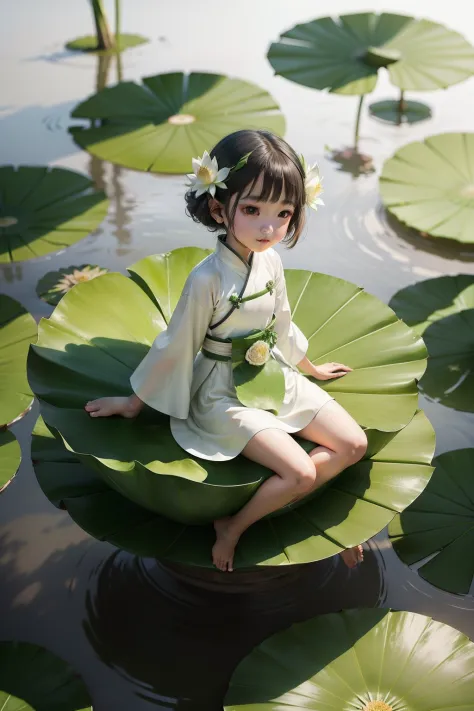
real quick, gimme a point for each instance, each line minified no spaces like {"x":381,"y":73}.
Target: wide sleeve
{"x":292,"y":342}
{"x":163,"y":378}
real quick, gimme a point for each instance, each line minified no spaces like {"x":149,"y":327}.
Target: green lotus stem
{"x":117,"y":20}
{"x":119,"y":67}
{"x":359,"y":110}
{"x":102,"y":71}
{"x":401,"y":103}
{"x":105,"y":38}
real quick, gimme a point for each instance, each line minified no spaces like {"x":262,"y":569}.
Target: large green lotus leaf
{"x":162,"y":276}
{"x":344,"y":323}
{"x":429,"y":185}
{"x":17,"y":331}
{"x":449,"y":378}
{"x":362,"y":660}
{"x":43,"y":210}
{"x":83,"y":353}
{"x":160,"y":125}
{"x":428,"y":301}
{"x":359,"y":504}
{"x":10,"y":457}
{"x":343,"y":54}
{"x":34,"y":679}
{"x":53,"y":285}
{"x":439,"y":525}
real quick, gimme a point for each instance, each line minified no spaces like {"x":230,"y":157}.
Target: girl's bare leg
{"x":107,"y":406}
{"x":341,"y":443}
{"x":295,"y":475}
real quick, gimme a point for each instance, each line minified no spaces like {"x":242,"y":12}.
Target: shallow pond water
{"x":143,"y":634}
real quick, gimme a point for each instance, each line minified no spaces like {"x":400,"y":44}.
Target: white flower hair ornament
{"x":313,"y":184}
{"x":207,"y":176}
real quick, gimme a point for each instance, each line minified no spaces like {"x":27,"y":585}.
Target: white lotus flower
{"x":207,"y":175}
{"x":313,"y":185}
{"x":77,"y":276}
{"x":258,"y":353}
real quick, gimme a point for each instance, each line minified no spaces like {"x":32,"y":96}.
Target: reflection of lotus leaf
{"x":343,"y":54}
{"x":10,"y":457}
{"x":17,"y":331}
{"x":54,"y":285}
{"x":31,"y":674}
{"x":359,"y":504}
{"x":43,"y":210}
{"x":88,"y":43}
{"x":363,"y":660}
{"x":84,"y":352}
{"x":429,"y":185}
{"x":441,"y":522}
{"x":428,"y":301}
{"x":160,"y":125}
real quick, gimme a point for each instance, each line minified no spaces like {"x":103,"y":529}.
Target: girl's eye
{"x":285,"y":214}
{"x":250,"y":210}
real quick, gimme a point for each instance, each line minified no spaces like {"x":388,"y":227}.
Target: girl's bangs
{"x":280,"y":181}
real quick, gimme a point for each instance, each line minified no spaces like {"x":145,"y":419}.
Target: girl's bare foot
{"x":107,"y":406}
{"x":353,"y":556}
{"x":224,"y":547}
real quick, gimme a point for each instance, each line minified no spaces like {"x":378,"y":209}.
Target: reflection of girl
{"x":257,"y":198}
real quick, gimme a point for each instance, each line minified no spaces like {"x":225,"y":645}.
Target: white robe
{"x":206,"y":418}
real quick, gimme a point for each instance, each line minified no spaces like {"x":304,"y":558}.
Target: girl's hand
{"x":328,"y":371}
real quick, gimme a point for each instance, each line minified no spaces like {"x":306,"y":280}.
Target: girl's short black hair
{"x":271,"y":156}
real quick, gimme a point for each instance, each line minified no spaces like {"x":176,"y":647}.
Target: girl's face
{"x":257,"y":225}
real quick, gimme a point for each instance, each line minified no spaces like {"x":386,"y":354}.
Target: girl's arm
{"x":327,"y":371}
{"x":163,"y":378}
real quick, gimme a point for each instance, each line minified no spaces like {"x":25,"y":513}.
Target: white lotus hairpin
{"x":313,"y":184}
{"x":207,"y":176}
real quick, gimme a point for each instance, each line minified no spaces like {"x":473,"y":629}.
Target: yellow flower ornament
{"x":313,"y":184}
{"x":258,"y":353}
{"x":207,"y":176}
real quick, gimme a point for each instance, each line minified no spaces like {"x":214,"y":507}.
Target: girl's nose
{"x":266,"y":230}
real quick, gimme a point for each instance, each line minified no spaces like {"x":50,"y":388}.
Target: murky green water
{"x":141,"y":634}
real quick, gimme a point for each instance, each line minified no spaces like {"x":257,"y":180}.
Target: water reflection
{"x":187,"y":628}
{"x":404,"y":589}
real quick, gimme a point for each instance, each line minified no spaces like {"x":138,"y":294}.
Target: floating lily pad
{"x":10,"y":457}
{"x":397,"y":112}
{"x":363,"y":660}
{"x":88,"y":44}
{"x":359,"y":504}
{"x":429,"y":301}
{"x":84,"y":352}
{"x":429,"y":185}
{"x":344,"y":54}
{"x":439,"y":525}
{"x":160,"y":125}
{"x":33,"y":679}
{"x":449,"y":377}
{"x":43,"y":210}
{"x":55,"y":284}
{"x":17,"y":330}
{"x":443,"y":310}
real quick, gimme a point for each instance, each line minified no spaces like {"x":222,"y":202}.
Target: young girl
{"x":254,"y":192}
